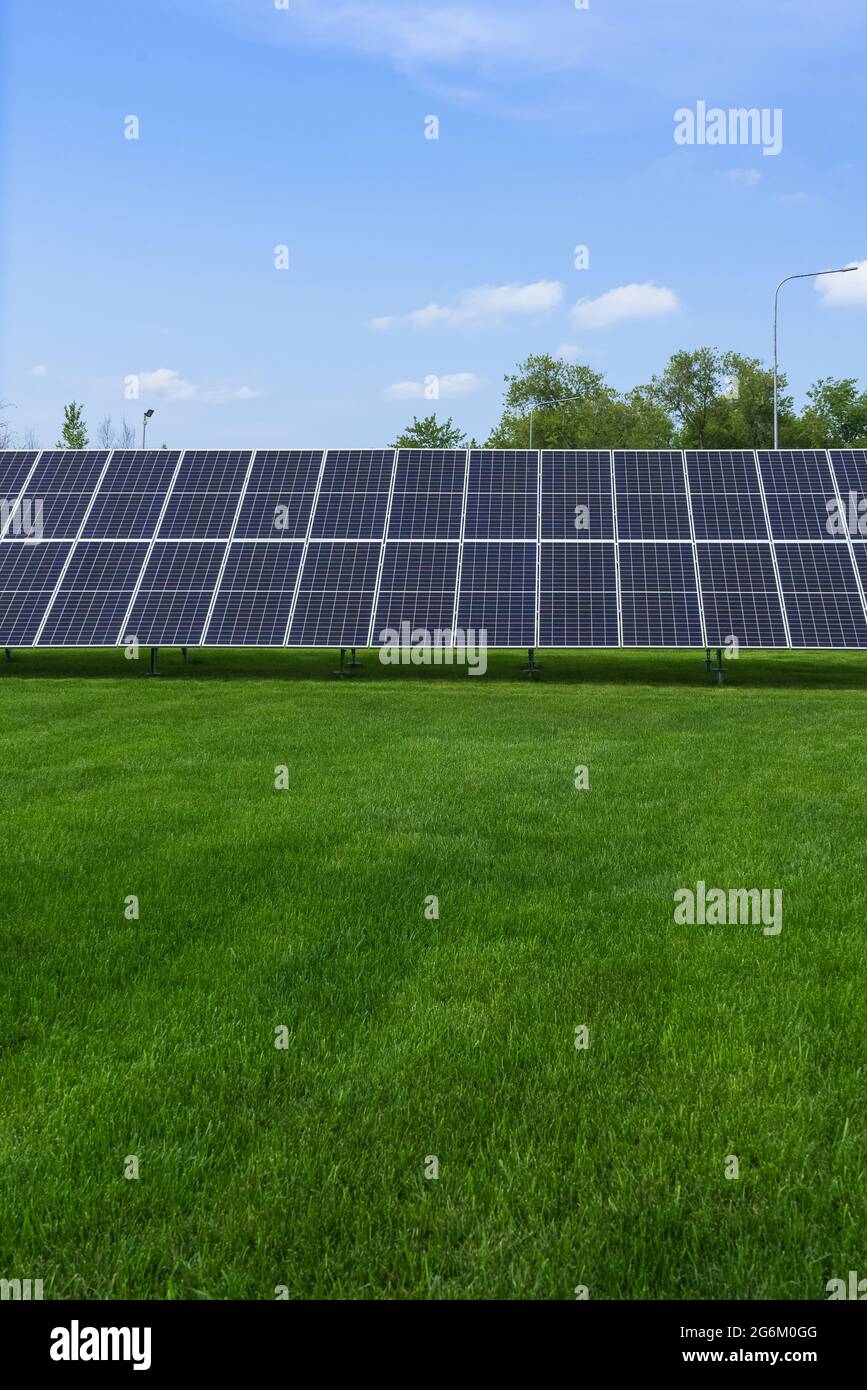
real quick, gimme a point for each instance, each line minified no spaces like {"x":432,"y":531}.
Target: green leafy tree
{"x":430,"y":434}
{"x":560,"y":405}
{"x":836,"y":416}
{"x":552,"y":404}
{"x":689,"y":390}
{"x":741,"y":416}
{"x":74,"y":432}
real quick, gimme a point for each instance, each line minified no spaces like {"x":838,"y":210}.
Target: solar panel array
{"x":344,"y":548}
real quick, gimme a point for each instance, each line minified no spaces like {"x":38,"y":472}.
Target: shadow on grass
{"x":756,"y":669}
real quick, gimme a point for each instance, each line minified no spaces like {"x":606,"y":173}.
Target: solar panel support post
{"x":718,"y":669}
{"x":354,"y":665}
{"x":707,"y":663}
{"x":8,"y":651}
{"x":341,"y":672}
{"x":185,"y":655}
{"x":153,"y":671}
{"x":532,"y":669}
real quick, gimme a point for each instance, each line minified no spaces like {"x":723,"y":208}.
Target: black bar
{"x":201,"y":1339}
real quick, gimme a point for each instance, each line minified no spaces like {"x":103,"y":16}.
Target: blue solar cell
{"x":726,"y":495}
{"x":417,"y":587}
{"x":15,"y":464}
{"x":799,"y":488}
{"x":62,"y":485}
{"x":172,"y":604}
{"x":94,"y":594}
{"x":651,"y":495}
{"x":498,"y":593}
{"x":578,"y":595}
{"x":335,"y":594}
{"x":576,"y":495}
{"x":502,"y":495}
{"x":28,"y":577}
{"x":860,"y":552}
{"x":850,"y":467}
{"x":659,"y":596}
{"x":740,"y":595}
{"x":205,"y":497}
{"x":821,"y":595}
{"x":428,"y":494}
{"x":353,"y":497}
{"x":254,"y":599}
{"x":128,"y":503}
{"x":280,"y":494}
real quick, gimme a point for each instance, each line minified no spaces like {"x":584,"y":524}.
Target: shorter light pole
{"x":809,"y":275}
{"x":144,"y":426}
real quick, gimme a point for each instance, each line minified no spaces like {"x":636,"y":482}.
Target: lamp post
{"x":809,"y":275}
{"x":144,"y":426}
{"x":566,"y":400}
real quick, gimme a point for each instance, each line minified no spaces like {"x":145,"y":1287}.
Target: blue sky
{"x":410,"y":258}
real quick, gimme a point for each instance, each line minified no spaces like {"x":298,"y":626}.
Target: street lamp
{"x":144,"y":426}
{"x":565,"y":400}
{"x":810,"y":275}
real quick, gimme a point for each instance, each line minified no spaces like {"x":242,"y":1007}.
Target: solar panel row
{"x":559,"y":548}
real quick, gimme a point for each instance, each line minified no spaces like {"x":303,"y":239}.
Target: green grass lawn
{"x":410,"y":1037}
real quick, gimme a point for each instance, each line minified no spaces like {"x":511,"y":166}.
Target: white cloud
{"x":551,"y":36}
{"x":744,"y":178}
{"x":168,"y":385}
{"x":40,"y":370}
{"x":443,"y":388}
{"x":627,"y":302}
{"x":568,"y":351}
{"x":489,"y":304}
{"x":409,"y":33}
{"x":845,"y":289}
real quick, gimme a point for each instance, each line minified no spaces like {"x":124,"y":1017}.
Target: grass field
{"x":408,"y":1037}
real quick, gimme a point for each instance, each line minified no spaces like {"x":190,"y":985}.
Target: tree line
{"x":704,"y":399}
{"x":73,"y":434}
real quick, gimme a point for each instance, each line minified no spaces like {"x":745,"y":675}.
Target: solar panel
{"x":726,"y":495}
{"x":173,"y":599}
{"x":63,"y":482}
{"x":28,"y":577}
{"x":15,"y":464}
{"x":428,"y":496}
{"x":502,"y":495}
{"x":417,"y":587}
{"x":578,"y":595}
{"x":272,"y":546}
{"x":800,"y":493}
{"x":850,"y":467}
{"x":859,"y":549}
{"x":206,"y":494}
{"x":353,"y":495}
{"x":94,"y":594}
{"x":279,"y":498}
{"x":740,"y":596}
{"x":255,"y":596}
{"x":128,"y":503}
{"x":820,"y":591}
{"x":335,"y":594}
{"x":498,"y":592}
{"x":651,"y":497}
{"x":659,"y":596}
{"x":577,"y":502}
